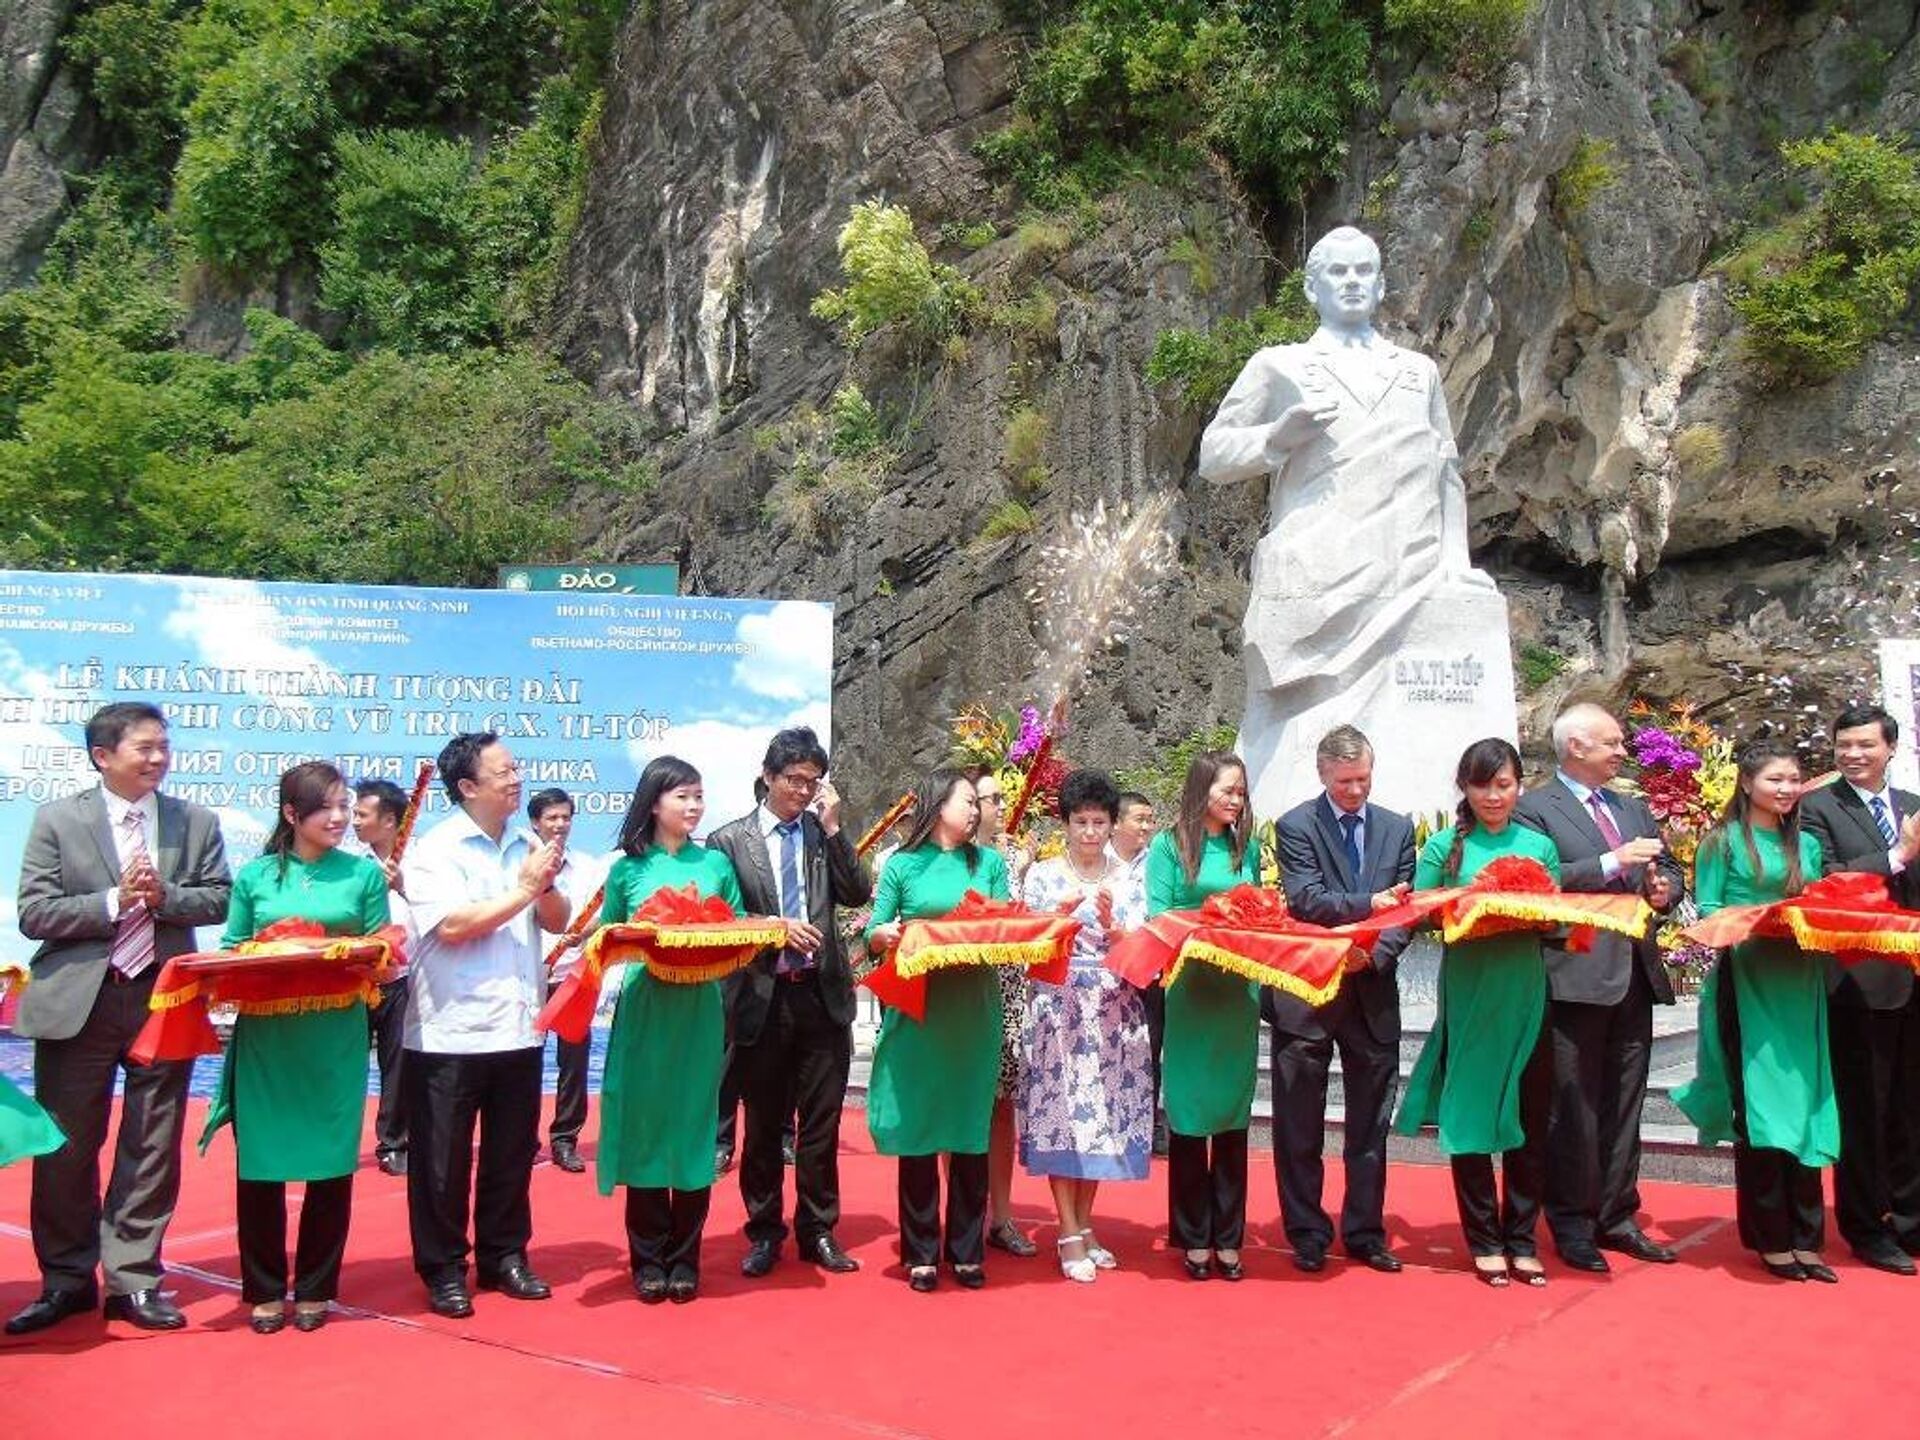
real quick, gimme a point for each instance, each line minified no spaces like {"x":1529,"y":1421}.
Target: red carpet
{"x":1709,"y":1347}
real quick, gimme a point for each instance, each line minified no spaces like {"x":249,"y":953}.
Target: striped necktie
{"x":132,"y":950}
{"x":1883,"y":819}
{"x":790,"y":906}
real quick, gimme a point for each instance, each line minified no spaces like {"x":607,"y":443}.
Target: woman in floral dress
{"x":1086,"y":1097}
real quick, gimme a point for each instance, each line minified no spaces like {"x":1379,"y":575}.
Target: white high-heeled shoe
{"x":1103,"y":1258}
{"x":1080,"y":1271}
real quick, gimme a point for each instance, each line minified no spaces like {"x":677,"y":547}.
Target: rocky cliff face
{"x":1661,"y":523}
{"x":45,"y":128}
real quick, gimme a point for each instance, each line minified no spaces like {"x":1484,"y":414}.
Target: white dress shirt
{"x":480,"y":996}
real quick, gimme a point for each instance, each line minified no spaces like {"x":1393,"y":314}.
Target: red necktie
{"x":1603,"y":817}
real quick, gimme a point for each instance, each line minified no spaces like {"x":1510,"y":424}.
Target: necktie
{"x":790,"y":906}
{"x":1603,"y":817}
{"x":132,"y":949}
{"x":1882,"y":819}
{"x":1350,"y":837}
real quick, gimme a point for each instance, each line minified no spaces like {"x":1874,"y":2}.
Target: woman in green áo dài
{"x":1764,"y":1080}
{"x":933,"y":1083}
{"x":667,"y":1046}
{"x":1211,"y":1051}
{"x":294,"y":1086}
{"x":1485,"y":1077}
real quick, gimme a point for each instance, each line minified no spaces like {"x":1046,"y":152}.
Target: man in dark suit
{"x":792,"y":1009}
{"x":1873,"y":1009}
{"x":1603,"y":998}
{"x":1341,"y":859}
{"x":112,"y":883}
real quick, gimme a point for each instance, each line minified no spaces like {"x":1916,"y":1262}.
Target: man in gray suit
{"x":112,"y":883}
{"x":1603,"y":998}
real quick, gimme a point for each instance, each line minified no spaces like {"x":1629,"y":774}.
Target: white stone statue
{"x":1365,"y":606}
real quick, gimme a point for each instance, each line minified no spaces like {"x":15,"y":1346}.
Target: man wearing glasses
{"x":481,"y":889}
{"x":792,"y":1009}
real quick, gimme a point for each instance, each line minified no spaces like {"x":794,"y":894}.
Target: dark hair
{"x":1854,"y":716}
{"x":929,"y":799}
{"x":110,"y":723}
{"x":1751,"y":760}
{"x":1479,"y":763}
{"x":798,"y":746}
{"x":1088,"y":790}
{"x":460,"y":760}
{"x":305,"y":787}
{"x":1190,"y":827}
{"x":391,"y":799}
{"x":669,"y":772}
{"x":545,"y":800}
{"x":1131,"y":798}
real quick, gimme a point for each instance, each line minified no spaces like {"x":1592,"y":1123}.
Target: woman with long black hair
{"x":294,"y":1085}
{"x":1764,"y":1078}
{"x":932,"y":1090}
{"x":1485,"y":1077}
{"x":667,"y":1046}
{"x":1211,"y":1054}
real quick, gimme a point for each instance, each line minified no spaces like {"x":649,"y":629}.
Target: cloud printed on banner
{"x":234,"y":625}
{"x":792,"y":657}
{"x":17,"y":677}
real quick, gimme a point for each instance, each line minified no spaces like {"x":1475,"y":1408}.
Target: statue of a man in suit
{"x":1367,"y":524}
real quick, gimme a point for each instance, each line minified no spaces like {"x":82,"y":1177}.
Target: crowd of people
{"x":1539,"y":1052}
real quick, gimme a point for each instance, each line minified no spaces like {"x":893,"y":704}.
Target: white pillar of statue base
{"x":1442,"y":681}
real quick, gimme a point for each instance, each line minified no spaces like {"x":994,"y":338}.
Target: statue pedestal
{"x":1444,"y":681}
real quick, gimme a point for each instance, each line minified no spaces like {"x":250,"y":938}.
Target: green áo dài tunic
{"x":933,"y":1079}
{"x":1210,"y":1056}
{"x":294,"y":1087}
{"x":1780,"y":995}
{"x":1493,"y":999}
{"x":667,"y":1046}
{"x":25,"y":1129}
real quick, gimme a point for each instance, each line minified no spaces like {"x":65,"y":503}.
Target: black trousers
{"x":799,"y":1062}
{"x":1600,"y":1059}
{"x":664,"y":1227}
{"x":1154,"y":1000}
{"x":726,"y":1131}
{"x":1207,"y":1190}
{"x":387,"y":1024}
{"x":1777,"y":1199}
{"x":1501,"y":1220}
{"x":570,"y":1091}
{"x":966,"y":1241}
{"x":1370,"y":1073}
{"x":446,"y":1096}
{"x":1876,"y":1082}
{"x":260,"y":1209}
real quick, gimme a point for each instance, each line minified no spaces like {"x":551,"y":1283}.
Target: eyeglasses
{"x":805,"y":784}
{"x":989,"y":797}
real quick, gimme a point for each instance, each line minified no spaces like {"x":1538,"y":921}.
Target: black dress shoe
{"x":923,"y":1278}
{"x":683,"y":1284}
{"x":51,"y":1308}
{"x":308,"y":1321}
{"x":827,"y":1254}
{"x":1581,"y":1256}
{"x":786,"y":1152}
{"x":1197,"y":1269}
{"x":970,"y":1277}
{"x":450,"y":1299}
{"x":650,"y":1284}
{"x":567,"y":1158}
{"x":1378,"y":1257}
{"x":146,"y":1310}
{"x":1309,"y":1258}
{"x":1006,"y":1236}
{"x":1814,"y":1270}
{"x":761,"y":1257}
{"x":722,"y":1162}
{"x":1233,"y":1269}
{"x":393,"y":1162}
{"x":267,"y":1322}
{"x":515,"y":1281}
{"x":1636,"y":1244}
{"x":1888,"y":1257}
{"x":1783,"y":1269}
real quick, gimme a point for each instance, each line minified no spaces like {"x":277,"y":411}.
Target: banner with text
{"x":255,"y":677}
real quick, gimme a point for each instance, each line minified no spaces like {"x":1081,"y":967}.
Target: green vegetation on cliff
{"x":414,"y":165}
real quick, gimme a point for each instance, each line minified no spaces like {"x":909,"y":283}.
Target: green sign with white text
{"x":593,"y":579}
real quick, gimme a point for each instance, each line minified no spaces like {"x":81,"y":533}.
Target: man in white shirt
{"x":1873,"y":1008}
{"x":551,"y":812}
{"x":1132,"y":832}
{"x":481,"y":890}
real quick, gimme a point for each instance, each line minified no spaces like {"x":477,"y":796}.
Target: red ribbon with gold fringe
{"x":1850,"y":915}
{"x":977,"y":931}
